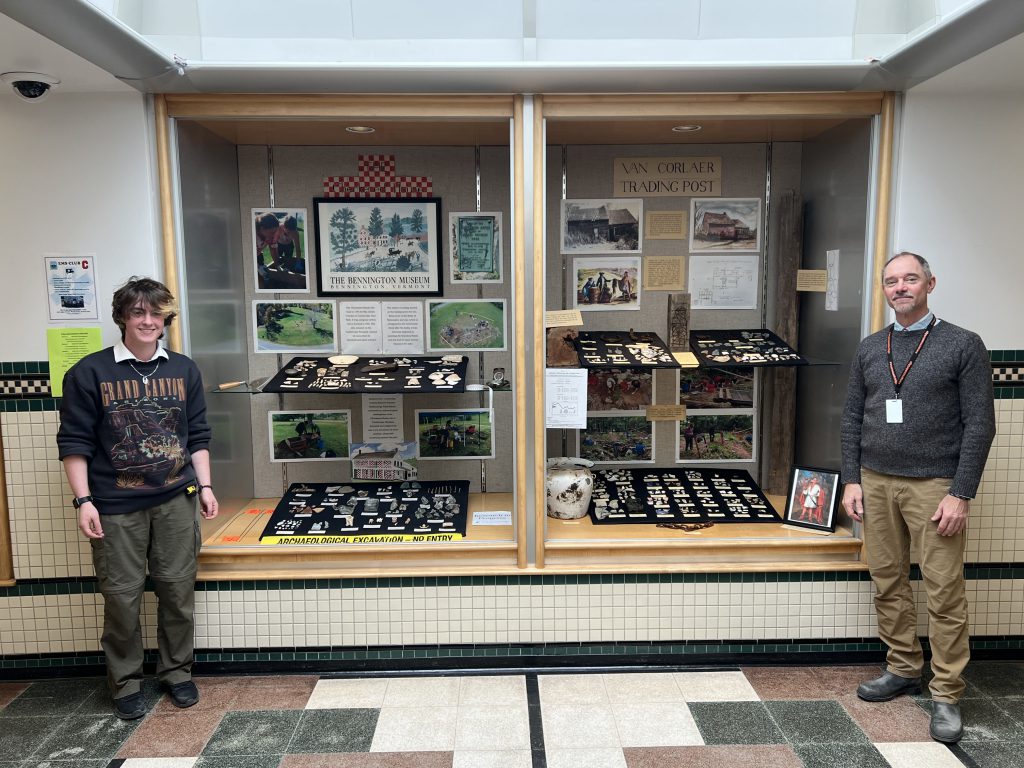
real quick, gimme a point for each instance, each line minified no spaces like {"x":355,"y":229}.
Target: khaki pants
{"x":896,"y":518}
{"x":168,"y":537}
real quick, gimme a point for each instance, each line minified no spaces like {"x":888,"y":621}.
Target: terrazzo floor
{"x":748,"y":717}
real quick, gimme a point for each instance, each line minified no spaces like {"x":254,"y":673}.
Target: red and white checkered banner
{"x":376,"y":178}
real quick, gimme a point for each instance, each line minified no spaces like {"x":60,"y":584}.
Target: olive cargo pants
{"x":168,"y":537}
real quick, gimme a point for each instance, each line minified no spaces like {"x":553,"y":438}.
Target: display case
{"x":353,"y":297}
{"x":688,"y":218}
{"x":658,"y":235}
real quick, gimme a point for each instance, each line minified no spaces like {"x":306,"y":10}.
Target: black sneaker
{"x":183,"y":695}
{"x":130,"y":707}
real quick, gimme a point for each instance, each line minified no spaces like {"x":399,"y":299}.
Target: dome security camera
{"x":30,"y":86}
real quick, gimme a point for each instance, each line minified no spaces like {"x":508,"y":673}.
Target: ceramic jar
{"x":569,"y":486}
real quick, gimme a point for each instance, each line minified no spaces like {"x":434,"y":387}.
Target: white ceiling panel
{"x":262,"y":20}
{"x":616,"y":20}
{"x":778,"y":18}
{"x":725,"y":52}
{"x":332,"y":51}
{"x":418,"y":19}
{"x":24,"y":50}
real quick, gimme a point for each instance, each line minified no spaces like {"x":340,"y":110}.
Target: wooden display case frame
{"x":583,"y":118}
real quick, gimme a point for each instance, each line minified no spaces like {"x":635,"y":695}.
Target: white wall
{"x":960,"y":197}
{"x":76,"y":176}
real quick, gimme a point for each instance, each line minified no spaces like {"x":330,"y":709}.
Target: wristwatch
{"x":76,"y":503}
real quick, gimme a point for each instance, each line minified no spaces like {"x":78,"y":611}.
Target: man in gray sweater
{"x":916,"y":431}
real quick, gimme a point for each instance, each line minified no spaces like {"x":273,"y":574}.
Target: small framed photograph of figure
{"x":813,"y":498}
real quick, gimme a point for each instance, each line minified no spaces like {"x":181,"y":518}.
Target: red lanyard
{"x":897,"y":383}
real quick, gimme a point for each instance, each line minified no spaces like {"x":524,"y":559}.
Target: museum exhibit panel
{"x":699,"y":237}
{"x":352,"y":296}
{"x":358,"y":304}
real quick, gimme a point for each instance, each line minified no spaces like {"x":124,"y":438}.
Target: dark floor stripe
{"x":962,"y":756}
{"x":540,"y":759}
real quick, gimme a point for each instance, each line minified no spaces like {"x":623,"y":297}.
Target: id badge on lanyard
{"x":894,"y":411}
{"x":894,"y":406}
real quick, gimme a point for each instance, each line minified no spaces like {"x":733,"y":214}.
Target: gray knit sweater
{"x":948,"y":410}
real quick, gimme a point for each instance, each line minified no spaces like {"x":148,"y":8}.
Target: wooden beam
{"x":780,"y":394}
{"x":519,"y":301}
{"x":6,"y":550}
{"x":883,"y":194}
{"x":539,"y":336}
{"x":327,"y":106}
{"x":713,"y":105}
{"x":167,"y":208}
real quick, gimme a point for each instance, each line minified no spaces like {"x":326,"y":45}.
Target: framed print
{"x":717,"y":387}
{"x":470,"y":325}
{"x":730,"y":224}
{"x":304,"y":327}
{"x":309,"y":435}
{"x":613,"y":225}
{"x":367,"y":247}
{"x":474,"y":245}
{"x":719,"y":437}
{"x":813,"y":498}
{"x":618,"y":440}
{"x":466,"y":433}
{"x":279,"y":241}
{"x":619,"y":389}
{"x":606,"y":283}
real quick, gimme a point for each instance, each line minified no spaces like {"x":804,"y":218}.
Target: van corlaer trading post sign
{"x":668,"y":176}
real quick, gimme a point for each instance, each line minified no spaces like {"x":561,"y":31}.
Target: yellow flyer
{"x":65,"y":347}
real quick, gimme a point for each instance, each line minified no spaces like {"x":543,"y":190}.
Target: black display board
{"x":757,"y":346}
{"x":381,"y":375}
{"x":369,"y":513}
{"x":683,"y":495}
{"x":623,"y":349}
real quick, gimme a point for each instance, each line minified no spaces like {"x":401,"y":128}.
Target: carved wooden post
{"x":780,"y":390}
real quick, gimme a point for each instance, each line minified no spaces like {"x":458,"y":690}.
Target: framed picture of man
{"x":813,"y":498}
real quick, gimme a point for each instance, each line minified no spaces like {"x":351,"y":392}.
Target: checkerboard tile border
{"x":24,"y":386}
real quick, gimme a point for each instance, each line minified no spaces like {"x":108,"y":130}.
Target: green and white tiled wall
{"x":52,"y":616}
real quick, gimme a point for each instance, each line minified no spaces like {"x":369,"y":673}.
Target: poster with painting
{"x":294,"y":326}
{"x":465,"y":433}
{"x":717,"y":387}
{"x":606,"y":283}
{"x":378,"y":246}
{"x":279,"y":240}
{"x":474,"y":244}
{"x":470,"y":325}
{"x":618,"y":440}
{"x":719,"y":437}
{"x":612,"y":225}
{"x":309,"y":435}
{"x":725,"y":224}
{"x":619,"y":389}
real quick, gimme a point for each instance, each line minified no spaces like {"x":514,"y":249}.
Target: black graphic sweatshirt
{"x":137,"y":437}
